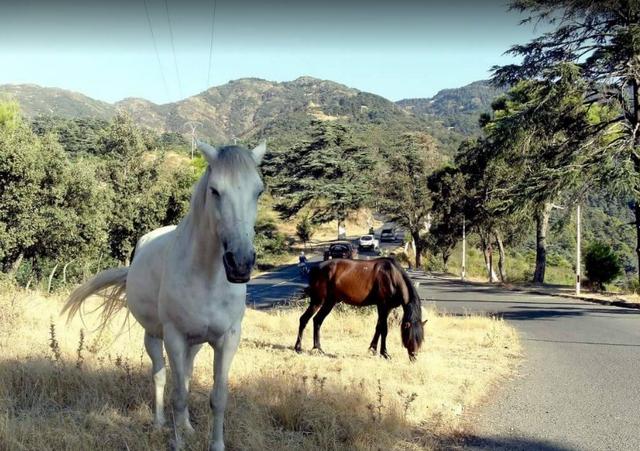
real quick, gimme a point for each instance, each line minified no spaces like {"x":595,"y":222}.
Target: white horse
{"x":187,"y":284}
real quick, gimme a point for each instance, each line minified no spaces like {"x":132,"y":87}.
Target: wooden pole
{"x":464,"y":248}
{"x":578,"y":250}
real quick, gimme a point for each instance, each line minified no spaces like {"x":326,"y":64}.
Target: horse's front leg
{"x":177,"y":350}
{"x":383,"y":315}
{"x":317,"y":323}
{"x":224,"y":350}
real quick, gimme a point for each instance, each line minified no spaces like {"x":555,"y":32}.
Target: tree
{"x":602,"y":265}
{"x":328,"y":174}
{"x":145,"y":197}
{"x":448,"y":212}
{"x":50,"y":210}
{"x":304,"y":229}
{"x":404,"y":195}
{"x":530,"y":128}
{"x":602,"y":39}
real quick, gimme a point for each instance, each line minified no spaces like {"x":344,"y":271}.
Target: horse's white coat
{"x":178,"y":285}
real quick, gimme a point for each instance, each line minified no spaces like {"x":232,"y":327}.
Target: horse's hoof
{"x":188,"y":429}
{"x":373,"y":351}
{"x":385,"y":355}
{"x":217,"y":446}
{"x":298,"y":349}
{"x":317,"y":351}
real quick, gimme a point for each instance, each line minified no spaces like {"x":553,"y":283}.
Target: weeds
{"x":79,"y":356}
{"x":54,"y":345}
{"x":343,"y":400}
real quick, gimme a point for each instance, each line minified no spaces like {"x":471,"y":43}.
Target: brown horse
{"x":381,"y":282}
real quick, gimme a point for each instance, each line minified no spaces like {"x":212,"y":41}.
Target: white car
{"x":368,"y":242}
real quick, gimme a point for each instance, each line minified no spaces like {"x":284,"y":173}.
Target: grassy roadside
{"x":59,"y":391}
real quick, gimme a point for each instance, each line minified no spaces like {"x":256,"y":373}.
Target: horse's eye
{"x":214,"y":191}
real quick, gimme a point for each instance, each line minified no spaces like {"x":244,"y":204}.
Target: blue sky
{"x":397,"y":49}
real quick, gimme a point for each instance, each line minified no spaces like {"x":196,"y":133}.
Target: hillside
{"x":456,"y":109}
{"x":36,"y":100}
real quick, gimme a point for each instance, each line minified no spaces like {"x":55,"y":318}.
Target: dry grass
{"x":61,"y":391}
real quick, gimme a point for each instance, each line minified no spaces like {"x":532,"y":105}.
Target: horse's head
{"x":231,"y":203}
{"x":412,"y":331}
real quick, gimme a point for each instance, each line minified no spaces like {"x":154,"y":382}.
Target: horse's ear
{"x":210,"y":153}
{"x":259,"y":151}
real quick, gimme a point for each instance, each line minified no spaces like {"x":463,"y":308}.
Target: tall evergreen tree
{"x":603,"y":40}
{"x":404,"y":195}
{"x":328,"y":174}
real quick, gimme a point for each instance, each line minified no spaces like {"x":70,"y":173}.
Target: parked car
{"x":388,"y":235}
{"x":342,"y":249}
{"x":368,"y":242}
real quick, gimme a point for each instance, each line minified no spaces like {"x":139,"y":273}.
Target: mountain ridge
{"x":240,"y":107}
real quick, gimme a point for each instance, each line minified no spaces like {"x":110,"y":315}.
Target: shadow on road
{"x":512,"y":443}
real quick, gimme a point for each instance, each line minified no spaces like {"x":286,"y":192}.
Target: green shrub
{"x":602,"y":265}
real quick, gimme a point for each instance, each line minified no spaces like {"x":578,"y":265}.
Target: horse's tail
{"x":111,"y":284}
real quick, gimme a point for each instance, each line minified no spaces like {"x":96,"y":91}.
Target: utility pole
{"x":192,"y":125}
{"x":578,"y":250}
{"x":464,"y":247}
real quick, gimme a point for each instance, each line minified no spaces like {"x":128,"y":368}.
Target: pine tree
{"x":327,"y":174}
{"x":602,"y":39}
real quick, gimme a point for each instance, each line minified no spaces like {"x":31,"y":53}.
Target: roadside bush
{"x":268,"y":240}
{"x":304,"y":229}
{"x":602,"y":265}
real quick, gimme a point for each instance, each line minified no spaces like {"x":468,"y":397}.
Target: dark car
{"x":387,"y":235}
{"x":342,"y":249}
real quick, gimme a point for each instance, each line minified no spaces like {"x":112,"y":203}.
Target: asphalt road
{"x":579,"y":385}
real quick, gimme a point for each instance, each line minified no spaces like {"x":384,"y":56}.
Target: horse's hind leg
{"x":153,"y":345}
{"x":317,"y":322}
{"x":304,"y":319}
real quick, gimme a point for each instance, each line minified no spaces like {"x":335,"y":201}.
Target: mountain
{"x":36,"y":100}
{"x":251,"y":107}
{"x":456,"y":109}
{"x":234,"y":109}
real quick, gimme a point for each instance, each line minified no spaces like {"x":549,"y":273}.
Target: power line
{"x":155,"y":47}
{"x":173,"y":48}
{"x":213,"y":24}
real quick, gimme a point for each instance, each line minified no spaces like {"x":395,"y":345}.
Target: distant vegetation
{"x":510,"y":158}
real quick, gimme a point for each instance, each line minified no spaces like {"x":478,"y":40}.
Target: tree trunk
{"x":417,"y":248}
{"x":637,"y":215}
{"x":16,"y":264}
{"x":501,"y":262}
{"x":636,"y":144}
{"x":445,"y":257}
{"x":487,"y":252}
{"x":542,"y":224}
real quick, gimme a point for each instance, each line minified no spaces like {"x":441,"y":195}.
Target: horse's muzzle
{"x":238,"y":271}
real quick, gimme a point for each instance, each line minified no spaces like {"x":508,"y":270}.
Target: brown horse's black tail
{"x":314,"y":272}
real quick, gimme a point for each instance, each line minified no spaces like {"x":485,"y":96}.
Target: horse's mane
{"x":414,"y":297}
